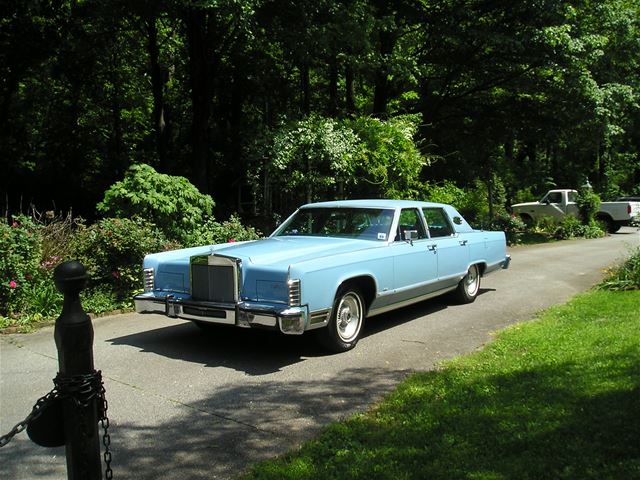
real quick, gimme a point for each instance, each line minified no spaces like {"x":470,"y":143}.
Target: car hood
{"x":290,"y":250}
{"x":525,"y":204}
{"x":273,"y":251}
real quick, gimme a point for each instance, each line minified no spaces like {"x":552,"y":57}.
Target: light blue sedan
{"x":328,"y":267}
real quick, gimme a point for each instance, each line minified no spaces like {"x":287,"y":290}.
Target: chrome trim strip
{"x":410,"y":301}
{"x":318,"y":319}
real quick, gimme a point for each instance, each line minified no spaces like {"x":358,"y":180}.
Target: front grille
{"x":214,"y":279}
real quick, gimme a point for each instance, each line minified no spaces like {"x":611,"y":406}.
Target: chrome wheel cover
{"x":349,"y":317}
{"x":472,"y":281}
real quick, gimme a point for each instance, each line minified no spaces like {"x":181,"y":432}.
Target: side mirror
{"x":457,"y":220}
{"x":410,"y":235}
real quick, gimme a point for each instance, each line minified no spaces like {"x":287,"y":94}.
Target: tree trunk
{"x":381,"y":92}
{"x":159,"y":77}
{"x":202,"y":66}
{"x":305,"y":86}
{"x":333,"y":86}
{"x":349,"y":95}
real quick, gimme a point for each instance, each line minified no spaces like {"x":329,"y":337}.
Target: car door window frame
{"x":447,"y":222}
{"x":422,"y":230}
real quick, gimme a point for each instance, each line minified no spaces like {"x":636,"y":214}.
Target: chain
{"x":106,"y":438}
{"x":82,"y":389}
{"x":35,"y":413}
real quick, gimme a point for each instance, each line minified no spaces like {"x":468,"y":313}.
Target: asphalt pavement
{"x":188,"y":405}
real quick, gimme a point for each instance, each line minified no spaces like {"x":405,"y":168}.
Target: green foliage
{"x":570,"y":227}
{"x":565,"y":385}
{"x":172,"y":203}
{"x":446,"y":192}
{"x":388,"y":162}
{"x":588,"y":203}
{"x":211,"y":232}
{"x":625,"y":276}
{"x":100,"y":299}
{"x":512,"y":226}
{"x":112,"y":250}
{"x":313,"y":156}
{"x":42,"y":300}
{"x":20,"y":254}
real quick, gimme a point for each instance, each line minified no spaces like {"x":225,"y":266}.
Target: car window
{"x":437,"y":222}
{"x":554,"y":197}
{"x":571,"y":196}
{"x":361,"y":223}
{"x":410,"y":221}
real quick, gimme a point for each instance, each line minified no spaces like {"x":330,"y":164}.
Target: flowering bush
{"x":112,"y":251}
{"x":512,"y":226}
{"x":20,"y":253}
{"x":212,"y":231}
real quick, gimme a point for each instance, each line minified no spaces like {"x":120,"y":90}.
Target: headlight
{"x":294,"y":293}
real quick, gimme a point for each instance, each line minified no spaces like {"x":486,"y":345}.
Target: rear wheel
{"x":346,"y":322}
{"x":609,"y":224}
{"x":469,"y":286}
{"x":526,"y":219}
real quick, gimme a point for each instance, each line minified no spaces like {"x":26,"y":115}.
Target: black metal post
{"x":74,"y":340}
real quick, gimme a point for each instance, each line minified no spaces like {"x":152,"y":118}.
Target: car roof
{"x":373,"y":203}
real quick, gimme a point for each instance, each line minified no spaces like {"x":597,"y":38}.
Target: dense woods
{"x":264,"y":104}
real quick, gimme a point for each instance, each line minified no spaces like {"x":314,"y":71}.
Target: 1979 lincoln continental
{"x":328,"y":267}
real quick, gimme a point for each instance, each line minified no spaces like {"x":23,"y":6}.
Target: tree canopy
{"x":322,"y":98}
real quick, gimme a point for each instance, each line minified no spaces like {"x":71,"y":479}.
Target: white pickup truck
{"x":558,"y":203}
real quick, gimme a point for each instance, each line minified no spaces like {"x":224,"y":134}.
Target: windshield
{"x":361,"y":223}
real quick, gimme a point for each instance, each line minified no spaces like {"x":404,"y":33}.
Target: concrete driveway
{"x":189,"y":405}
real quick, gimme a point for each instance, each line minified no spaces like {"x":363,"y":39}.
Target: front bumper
{"x":289,"y":320}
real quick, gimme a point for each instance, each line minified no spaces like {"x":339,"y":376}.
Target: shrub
{"x":20,"y":253}
{"x":211,"y":232}
{"x":571,"y":227}
{"x":388,"y":162}
{"x":112,"y":251}
{"x":172,"y":203}
{"x":446,"y":192}
{"x":625,"y":276}
{"x":588,"y":203}
{"x":511,"y":225}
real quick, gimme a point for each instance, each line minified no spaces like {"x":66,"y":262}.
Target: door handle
{"x":432,"y":248}
{"x":463,"y":242}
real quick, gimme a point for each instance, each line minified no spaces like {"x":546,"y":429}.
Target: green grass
{"x":555,"y":398}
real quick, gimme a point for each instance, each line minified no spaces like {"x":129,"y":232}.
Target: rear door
{"x":451,"y":250}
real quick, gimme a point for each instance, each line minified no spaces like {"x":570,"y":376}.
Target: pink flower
{"x":14,"y":225}
{"x":231,"y":240}
{"x":12,"y":284}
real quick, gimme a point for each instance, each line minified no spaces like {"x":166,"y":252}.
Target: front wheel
{"x":469,"y":286}
{"x":347,"y":319}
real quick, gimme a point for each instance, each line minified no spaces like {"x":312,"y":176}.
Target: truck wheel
{"x":469,"y":286}
{"x":610,"y":226}
{"x":346,"y":322}
{"x":526,"y":219}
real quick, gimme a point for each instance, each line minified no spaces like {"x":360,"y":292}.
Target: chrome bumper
{"x":289,"y":320}
{"x":506,"y":262}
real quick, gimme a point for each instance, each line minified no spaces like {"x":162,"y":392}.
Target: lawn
{"x":554,"y":398}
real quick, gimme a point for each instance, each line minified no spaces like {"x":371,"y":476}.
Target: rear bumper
{"x":289,"y":320}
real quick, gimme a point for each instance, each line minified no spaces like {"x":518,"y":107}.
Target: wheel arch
{"x":366,"y":284}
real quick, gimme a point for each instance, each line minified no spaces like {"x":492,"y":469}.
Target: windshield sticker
{"x":382,"y":236}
